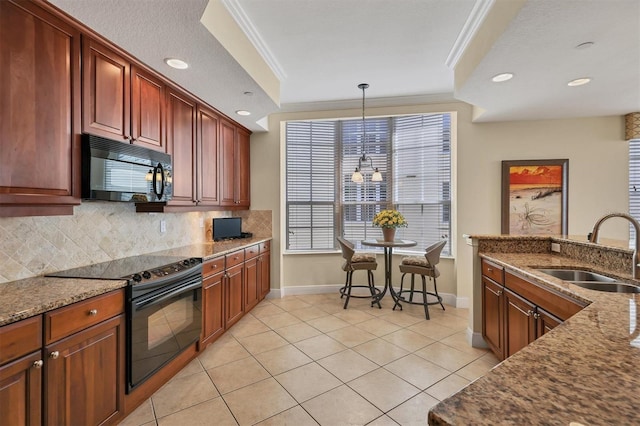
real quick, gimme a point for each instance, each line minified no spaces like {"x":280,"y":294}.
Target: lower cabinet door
{"x":84,"y":376}
{"x":251,"y":282}
{"x":545,"y":322}
{"x":21,"y":391}
{"x":493,"y":316}
{"x":212,"y":308}
{"x":234,"y":308}
{"x":264,"y":262}
{"x":520,"y":322}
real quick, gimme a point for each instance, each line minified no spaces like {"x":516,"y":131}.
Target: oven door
{"x":162,"y":324}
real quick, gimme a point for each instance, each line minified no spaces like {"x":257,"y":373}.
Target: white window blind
{"x":411,"y":152}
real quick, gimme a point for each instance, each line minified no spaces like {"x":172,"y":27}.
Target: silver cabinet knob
{"x":93,"y":312}
{"x":54,"y":355}
{"x":38,"y":364}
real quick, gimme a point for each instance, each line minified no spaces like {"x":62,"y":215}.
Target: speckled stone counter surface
{"x":582,"y":371}
{"x":32,"y":296}
{"x":214,"y":249}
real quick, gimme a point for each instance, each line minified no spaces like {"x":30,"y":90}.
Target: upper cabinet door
{"x":40,"y":105}
{"x":181,"y":144}
{"x":106,"y":89}
{"x":147,"y":110}
{"x":208,"y":123}
{"x":242,"y":173}
{"x":227,"y":163}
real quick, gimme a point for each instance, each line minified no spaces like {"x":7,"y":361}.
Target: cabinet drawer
{"x":213,"y":266}
{"x":265,"y":246}
{"x":73,"y":318}
{"x":554,"y":303}
{"x":251,"y":252}
{"x":20,"y":338}
{"x":235,"y":258}
{"x":493,"y":271}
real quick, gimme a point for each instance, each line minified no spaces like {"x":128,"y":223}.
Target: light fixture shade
{"x":632,"y":126}
{"x":357,"y":176}
{"x":377,"y":176}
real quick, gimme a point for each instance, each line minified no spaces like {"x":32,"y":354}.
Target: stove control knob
{"x":185,"y":262}
{"x":193,"y":261}
{"x":146,"y":275}
{"x":137,"y":278}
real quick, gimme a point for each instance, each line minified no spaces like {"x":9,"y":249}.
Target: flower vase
{"x":389,"y":234}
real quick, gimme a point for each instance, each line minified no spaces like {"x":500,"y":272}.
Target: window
{"x":413,"y":154}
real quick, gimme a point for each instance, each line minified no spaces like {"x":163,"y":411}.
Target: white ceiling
{"x":322,"y":49}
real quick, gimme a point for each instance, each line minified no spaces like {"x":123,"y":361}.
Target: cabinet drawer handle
{"x":499,"y":292}
{"x":38,"y":364}
{"x":489,"y":269}
{"x":93,"y":312}
{"x":54,"y":355}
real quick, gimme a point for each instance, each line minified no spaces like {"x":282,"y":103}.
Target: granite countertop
{"x":582,"y":371}
{"x":32,"y":296}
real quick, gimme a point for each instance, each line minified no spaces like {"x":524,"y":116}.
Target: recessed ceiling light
{"x":243,"y":112}
{"x":176,"y":63}
{"x":502,"y":77}
{"x":579,"y":81}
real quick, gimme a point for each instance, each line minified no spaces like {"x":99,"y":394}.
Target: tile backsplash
{"x":101,"y":231}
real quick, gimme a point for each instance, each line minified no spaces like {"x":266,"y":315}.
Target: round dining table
{"x":388,"y":256}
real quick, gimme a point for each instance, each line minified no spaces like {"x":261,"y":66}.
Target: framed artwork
{"x":534,"y":197}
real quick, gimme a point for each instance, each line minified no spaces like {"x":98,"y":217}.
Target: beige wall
{"x":597,"y":182}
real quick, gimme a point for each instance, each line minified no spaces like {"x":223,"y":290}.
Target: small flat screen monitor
{"x":227,"y":228}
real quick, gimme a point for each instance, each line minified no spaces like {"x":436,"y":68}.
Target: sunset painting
{"x":535,"y":197}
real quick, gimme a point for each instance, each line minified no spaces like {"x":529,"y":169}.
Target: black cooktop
{"x":119,"y":268}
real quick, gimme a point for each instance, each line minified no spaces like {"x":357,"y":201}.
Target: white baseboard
{"x":476,"y":340}
{"x":276,"y":293}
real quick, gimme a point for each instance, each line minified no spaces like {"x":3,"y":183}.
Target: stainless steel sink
{"x":577,"y":275}
{"x":614,"y":287}
{"x":591,"y":280}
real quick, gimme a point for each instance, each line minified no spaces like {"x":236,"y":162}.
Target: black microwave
{"x":117,"y":171}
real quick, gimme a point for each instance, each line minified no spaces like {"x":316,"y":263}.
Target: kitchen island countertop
{"x":583,"y":371}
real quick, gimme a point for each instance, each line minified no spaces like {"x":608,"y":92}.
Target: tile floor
{"x":303,"y":360}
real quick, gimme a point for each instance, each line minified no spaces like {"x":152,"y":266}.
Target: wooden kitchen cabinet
{"x":545,"y":322}
{"x":207,"y":164}
{"x":181,"y":145}
{"x":84,"y":376}
{"x":251,"y":283}
{"x":85,"y":362}
{"x":21,"y":372}
{"x":520,"y":324}
{"x":264,"y":264}
{"x":213,"y":318}
{"x":493,"y":316}
{"x":120,"y":101}
{"x":40,"y":114}
{"x":234,"y":288}
{"x":234,"y":166}
{"x":516,"y":311}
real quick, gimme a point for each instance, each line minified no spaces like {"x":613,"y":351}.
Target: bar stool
{"x":354,"y":262}
{"x":425,"y":266}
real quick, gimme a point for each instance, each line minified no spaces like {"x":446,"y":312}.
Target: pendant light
{"x":365,"y":160}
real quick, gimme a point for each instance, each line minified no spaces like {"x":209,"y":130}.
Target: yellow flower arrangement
{"x":389,"y":219}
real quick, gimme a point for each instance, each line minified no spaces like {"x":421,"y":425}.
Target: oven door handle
{"x":159,"y":298}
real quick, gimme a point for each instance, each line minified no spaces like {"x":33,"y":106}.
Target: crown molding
{"x":476,"y":18}
{"x":245,"y":24}
{"x":371,"y":103}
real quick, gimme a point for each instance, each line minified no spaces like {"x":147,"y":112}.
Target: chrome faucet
{"x":593,"y":237}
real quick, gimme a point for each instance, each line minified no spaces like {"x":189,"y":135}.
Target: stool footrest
{"x":419,"y":292}
{"x":368,"y":296}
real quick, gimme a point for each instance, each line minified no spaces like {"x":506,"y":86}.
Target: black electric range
{"x":163,"y":307}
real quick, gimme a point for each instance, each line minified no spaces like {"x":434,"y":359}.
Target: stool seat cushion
{"x":363,"y":257}
{"x":415,"y":261}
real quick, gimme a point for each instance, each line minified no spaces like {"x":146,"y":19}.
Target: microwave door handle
{"x":157,"y":169}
